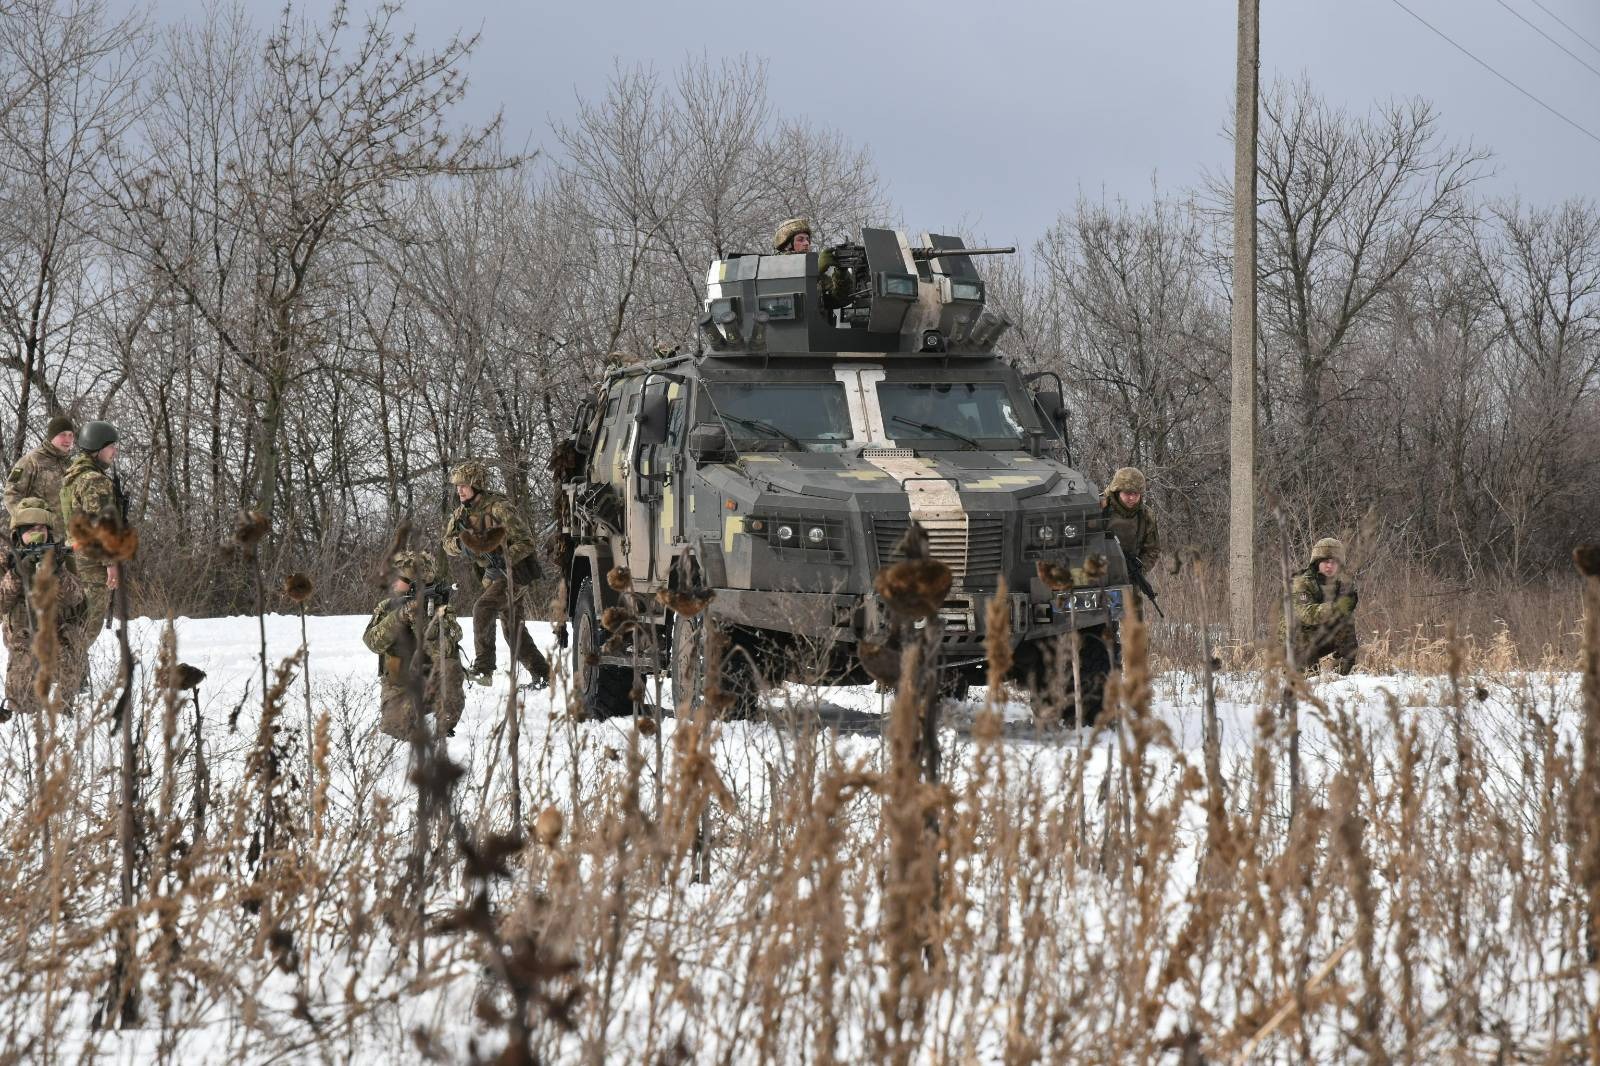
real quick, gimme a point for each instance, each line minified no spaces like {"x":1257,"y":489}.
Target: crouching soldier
{"x":435,"y":666}
{"x":31,"y":544}
{"x":1324,"y":609}
{"x":487,"y":529}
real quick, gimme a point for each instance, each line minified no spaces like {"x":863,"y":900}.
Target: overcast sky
{"x":994,"y":116}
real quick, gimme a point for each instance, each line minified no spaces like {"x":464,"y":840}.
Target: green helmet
{"x":31,"y":512}
{"x":414,"y":566}
{"x":96,"y":435}
{"x":472,"y":473}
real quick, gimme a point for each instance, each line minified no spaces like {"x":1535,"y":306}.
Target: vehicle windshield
{"x":759,"y":412}
{"x":948,"y":411}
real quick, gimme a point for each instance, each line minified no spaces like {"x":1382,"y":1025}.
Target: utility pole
{"x":1242,"y":421}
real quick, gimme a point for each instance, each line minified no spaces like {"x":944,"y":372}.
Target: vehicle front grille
{"x":972,"y":546}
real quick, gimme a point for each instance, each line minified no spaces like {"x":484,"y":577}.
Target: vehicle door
{"x":655,"y":480}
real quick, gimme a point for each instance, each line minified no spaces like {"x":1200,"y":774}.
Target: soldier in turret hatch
{"x":793,"y":237}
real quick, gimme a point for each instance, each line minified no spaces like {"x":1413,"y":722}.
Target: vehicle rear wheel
{"x":738,"y":678}
{"x":602,"y":690}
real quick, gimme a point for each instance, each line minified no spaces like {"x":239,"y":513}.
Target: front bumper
{"x":847,"y":618}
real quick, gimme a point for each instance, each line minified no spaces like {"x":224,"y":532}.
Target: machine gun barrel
{"x":944,"y":253}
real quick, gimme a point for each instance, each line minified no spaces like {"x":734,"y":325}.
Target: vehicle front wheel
{"x":690,"y":681}
{"x":602,"y":690}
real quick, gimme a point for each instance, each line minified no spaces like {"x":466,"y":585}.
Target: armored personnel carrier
{"x":838,"y":398}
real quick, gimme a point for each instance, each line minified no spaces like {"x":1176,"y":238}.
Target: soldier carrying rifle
{"x":1134,"y":526}
{"x":495,"y":537}
{"x":31,"y":544}
{"x":417,"y":639}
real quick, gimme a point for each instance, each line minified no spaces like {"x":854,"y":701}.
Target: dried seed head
{"x":645,"y":725}
{"x":180,"y":677}
{"x":1057,"y":576}
{"x":298,"y":587}
{"x":484,"y":541}
{"x":688,"y":602}
{"x":614,"y":619}
{"x":250,"y":528}
{"x":1094,"y":568}
{"x":915,"y":588}
{"x":620,"y":578}
{"x":103,"y":541}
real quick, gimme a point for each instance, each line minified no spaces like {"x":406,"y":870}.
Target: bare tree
{"x":70,"y":71}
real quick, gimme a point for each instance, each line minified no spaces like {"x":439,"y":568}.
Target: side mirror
{"x":707,"y":441}
{"x":652,"y":419}
{"x":1054,"y":409}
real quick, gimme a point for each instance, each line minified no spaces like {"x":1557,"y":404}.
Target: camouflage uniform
{"x":16,"y":588}
{"x":93,"y":490}
{"x":832,"y":282}
{"x":38,"y":475}
{"x":1134,"y":527}
{"x":512,"y":566}
{"x":1324,"y":611}
{"x":392,"y":636}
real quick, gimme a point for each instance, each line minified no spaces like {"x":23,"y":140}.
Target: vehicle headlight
{"x":1069,"y":532}
{"x":816,"y":534}
{"x":785,"y":533}
{"x":1047,"y":534}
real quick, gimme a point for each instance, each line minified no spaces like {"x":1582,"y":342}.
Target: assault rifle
{"x":435,"y":595}
{"x":24,"y":559}
{"x":1142,"y":583}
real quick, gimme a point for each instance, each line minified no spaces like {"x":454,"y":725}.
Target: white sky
{"x":994,"y":116}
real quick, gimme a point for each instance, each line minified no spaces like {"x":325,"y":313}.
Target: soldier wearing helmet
{"x":793,"y":237}
{"x":1325,"y":600}
{"x":1129,"y":518}
{"x":32,"y":550}
{"x":417,"y":639}
{"x":92,"y":488}
{"x":495,"y":537}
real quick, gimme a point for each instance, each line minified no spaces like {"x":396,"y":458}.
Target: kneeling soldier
{"x":1325,"y":609}
{"x":435,"y":666}
{"x":30,"y":543}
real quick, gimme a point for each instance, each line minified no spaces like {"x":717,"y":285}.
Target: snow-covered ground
{"x":839,"y":729}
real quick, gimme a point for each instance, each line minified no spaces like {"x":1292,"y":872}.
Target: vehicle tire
{"x":955,"y":685}
{"x":739,"y":679}
{"x":602,"y":691}
{"x":1094,"y":666}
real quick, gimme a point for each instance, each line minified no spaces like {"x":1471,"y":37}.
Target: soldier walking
{"x":1324,"y":609}
{"x":1132,"y":523}
{"x":30,"y":543}
{"x":92,"y":488}
{"x":435,"y":666}
{"x":38,"y":475}
{"x":498,"y":542}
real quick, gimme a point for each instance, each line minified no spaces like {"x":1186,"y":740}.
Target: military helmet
{"x":414,"y":566}
{"x":471,"y":472}
{"x":788,"y":231}
{"x":31,"y":511}
{"x":1328,"y":548}
{"x":1127,"y":479}
{"x":96,"y":435}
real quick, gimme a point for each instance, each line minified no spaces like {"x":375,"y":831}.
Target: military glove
{"x":1346,"y":605}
